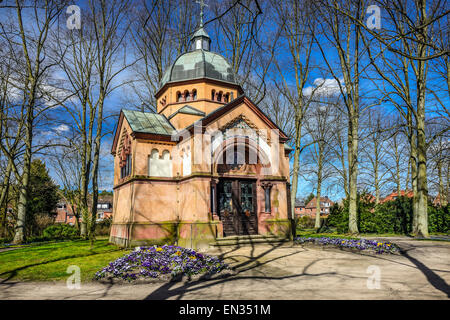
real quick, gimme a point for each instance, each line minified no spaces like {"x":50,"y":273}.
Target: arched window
{"x":166,"y":155}
{"x":194,"y":94}
{"x":213,"y":95}
{"x":226,"y":98}
{"x":186,"y":161}
{"x":178,"y":96}
{"x":187,"y":96}
{"x":154,"y":154}
{"x":219,"y":96}
{"x":160,"y":167}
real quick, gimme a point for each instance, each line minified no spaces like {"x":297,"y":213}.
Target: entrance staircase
{"x":248,"y":240}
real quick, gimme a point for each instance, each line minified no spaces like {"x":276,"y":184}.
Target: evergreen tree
{"x":43,"y":197}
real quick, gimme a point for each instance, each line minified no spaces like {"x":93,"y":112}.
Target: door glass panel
{"x":247,"y":196}
{"x":225,"y":197}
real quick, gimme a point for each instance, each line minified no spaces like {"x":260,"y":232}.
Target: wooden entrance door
{"x":237,"y":206}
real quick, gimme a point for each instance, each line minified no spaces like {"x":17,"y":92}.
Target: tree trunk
{"x":19,"y":236}
{"x":298,"y":133}
{"x":442,"y":196}
{"x":319,"y":187}
{"x":422,"y":187}
{"x":4,"y":197}
{"x":353,"y":174}
{"x":413,"y":169}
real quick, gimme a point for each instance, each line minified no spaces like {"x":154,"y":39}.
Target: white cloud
{"x":62,"y":128}
{"x":321,"y":86}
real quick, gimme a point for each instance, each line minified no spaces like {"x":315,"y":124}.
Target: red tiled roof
{"x":312,"y":203}
{"x":394,"y":195}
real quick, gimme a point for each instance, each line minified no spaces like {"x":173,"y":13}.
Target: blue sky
{"x":117,"y":100}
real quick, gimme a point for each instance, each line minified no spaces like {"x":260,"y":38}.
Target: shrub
{"x":60,"y":232}
{"x":38,"y":239}
{"x":305,"y":222}
{"x":439,"y":219}
{"x":390,"y":217}
{"x":102,"y":228}
{"x":5,"y":240}
{"x":338,"y":218}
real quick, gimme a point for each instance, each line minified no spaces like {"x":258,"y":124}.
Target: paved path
{"x":283,"y":272}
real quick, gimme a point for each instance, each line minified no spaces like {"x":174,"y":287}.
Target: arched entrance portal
{"x":238,"y":165}
{"x":237,"y":206}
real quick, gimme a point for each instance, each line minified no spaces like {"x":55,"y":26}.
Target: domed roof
{"x":199,"y":63}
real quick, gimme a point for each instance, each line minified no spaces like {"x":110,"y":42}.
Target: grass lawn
{"x":50,"y":261}
{"x":312,"y":233}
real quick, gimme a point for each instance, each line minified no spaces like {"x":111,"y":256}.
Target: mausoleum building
{"x":208,"y":164}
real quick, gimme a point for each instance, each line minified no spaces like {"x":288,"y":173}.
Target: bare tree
{"x":29,"y":43}
{"x":408,"y":37}
{"x":294,"y":20}
{"x":243,"y":37}
{"x":91,"y":59}
{"x":160,"y":31}
{"x":320,"y":116}
{"x":345,"y":37}
{"x":373,"y":163}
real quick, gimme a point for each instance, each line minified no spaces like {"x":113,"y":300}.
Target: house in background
{"x":394,"y":195}
{"x":310,"y":209}
{"x":64,"y":213}
{"x":437,"y":201}
{"x":299,"y":207}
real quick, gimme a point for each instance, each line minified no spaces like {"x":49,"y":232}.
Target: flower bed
{"x":161,"y":262}
{"x":355,"y":244}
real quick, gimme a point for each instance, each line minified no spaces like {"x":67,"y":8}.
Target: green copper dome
{"x":199,"y":63}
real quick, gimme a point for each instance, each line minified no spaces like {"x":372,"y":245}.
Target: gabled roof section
{"x":233,"y":104}
{"x":148,"y":122}
{"x":187,"y":109}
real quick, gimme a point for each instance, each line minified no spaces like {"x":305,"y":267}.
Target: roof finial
{"x":202,"y":4}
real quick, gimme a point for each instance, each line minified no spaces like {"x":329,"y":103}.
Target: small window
{"x":213,"y":95}
{"x":219,"y":96}
{"x":178,"y":96}
{"x":267,"y":199}
{"x":194,"y":94}
{"x":126,"y":169}
{"x":187,"y":96}
{"x":227,"y":98}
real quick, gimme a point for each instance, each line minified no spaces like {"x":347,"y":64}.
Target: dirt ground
{"x":273,"y":272}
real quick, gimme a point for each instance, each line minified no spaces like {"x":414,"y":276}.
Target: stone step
{"x":252,"y":236}
{"x":247,"y":241}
